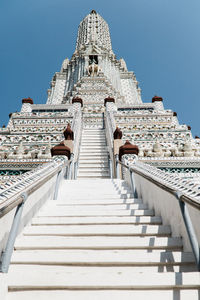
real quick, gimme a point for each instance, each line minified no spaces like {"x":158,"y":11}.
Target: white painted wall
{"x":166,"y":205}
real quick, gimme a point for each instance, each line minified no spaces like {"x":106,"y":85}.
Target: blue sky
{"x":159,"y":40}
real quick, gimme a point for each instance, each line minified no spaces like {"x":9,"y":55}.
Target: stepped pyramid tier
{"x":86,"y":199}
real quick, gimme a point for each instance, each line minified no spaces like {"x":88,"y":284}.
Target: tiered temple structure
{"x":89,"y":77}
{"x":95,"y":126}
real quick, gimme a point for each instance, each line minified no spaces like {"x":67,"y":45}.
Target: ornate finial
{"x":128,"y":148}
{"x":27,"y":100}
{"x":93,"y":11}
{"x":61,"y":149}
{"x":77,"y":100}
{"x":156,"y":98}
{"x":117,"y":134}
{"x":68,"y":133}
{"x":108,"y":99}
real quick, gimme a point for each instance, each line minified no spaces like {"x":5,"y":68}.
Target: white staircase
{"x":97,"y":242}
{"x":93,"y":158}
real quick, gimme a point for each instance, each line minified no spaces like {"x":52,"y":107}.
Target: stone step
{"x":94,"y":202}
{"x":93,"y":155}
{"x":103,"y":189}
{"x":93,"y":151}
{"x":96,"y":161}
{"x":93,"y":142}
{"x":106,"y":182}
{"x":93,"y":169}
{"x":98,"y":242}
{"x":95,"y":220}
{"x":93,"y":146}
{"x":93,"y":135}
{"x":93,"y":139}
{"x":59,"y":212}
{"x":92,"y":176}
{"x":101,"y":257}
{"x":109,"y":183}
{"x":92,"y":158}
{"x":88,"y":196}
{"x":183,"y":294}
{"x":97,"y":139}
{"x":99,"y":230}
{"x":98,"y":166}
{"x":103,"y":207}
{"x":95,"y":173}
{"x":60,"y":278}
{"x":95,"y":131}
{"x":93,"y":164}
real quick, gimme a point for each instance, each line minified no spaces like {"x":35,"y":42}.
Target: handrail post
{"x":69,"y":175}
{"x":6,"y":255}
{"x":75,"y":169}
{"x":110,"y":167}
{"x":133,"y":183}
{"x":117,"y":166}
{"x":57,"y":185}
{"x":132,"y":177}
{"x":190,"y":229}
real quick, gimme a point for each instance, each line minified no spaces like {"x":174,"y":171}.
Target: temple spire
{"x":93,"y":29}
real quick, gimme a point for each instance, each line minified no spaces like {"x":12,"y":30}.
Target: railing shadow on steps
{"x":19,"y":201}
{"x":176,"y":199}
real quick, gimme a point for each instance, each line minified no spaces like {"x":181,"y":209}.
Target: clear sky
{"x":159,"y":40}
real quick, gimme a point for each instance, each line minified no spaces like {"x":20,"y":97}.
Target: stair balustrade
{"x":165,"y":189}
{"x":20,"y":200}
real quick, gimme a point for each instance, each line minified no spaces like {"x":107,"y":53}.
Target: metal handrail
{"x":182,"y":198}
{"x":19,"y":201}
{"x":109,"y":137}
{"x":185,"y":198}
{"x":29,"y":187}
{"x":18,"y":183}
{"x":76,"y":152}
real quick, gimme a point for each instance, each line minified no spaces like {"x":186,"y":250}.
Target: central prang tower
{"x":93,"y":72}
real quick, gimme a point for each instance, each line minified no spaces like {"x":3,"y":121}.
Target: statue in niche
{"x":93,"y":68}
